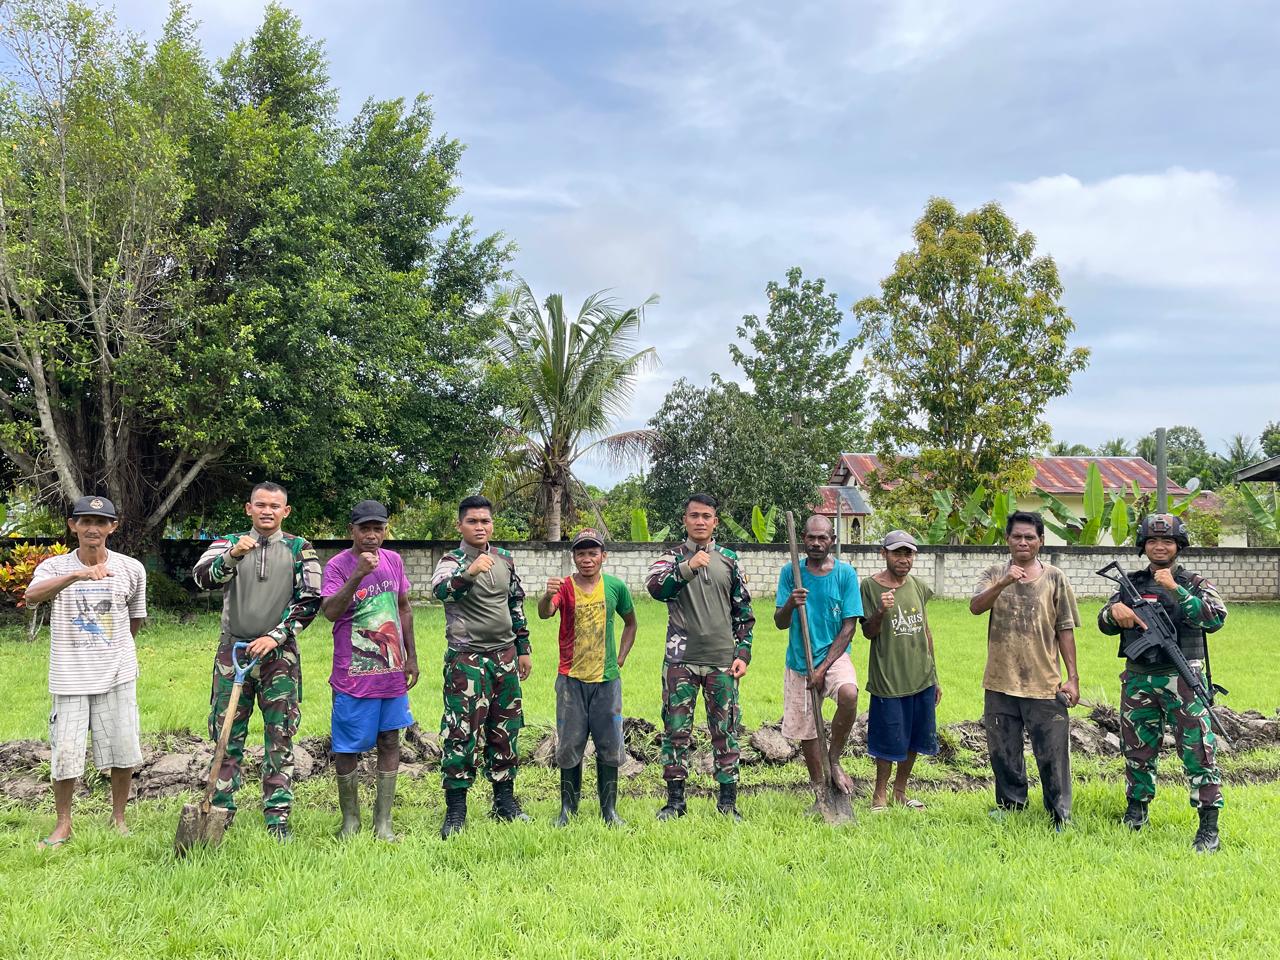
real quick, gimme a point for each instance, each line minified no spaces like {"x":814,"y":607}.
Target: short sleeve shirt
{"x":91,"y":647}
{"x":833,"y":598}
{"x":1022,"y":632}
{"x":900,"y":663}
{"x":368,"y":641}
{"x":588,"y":650}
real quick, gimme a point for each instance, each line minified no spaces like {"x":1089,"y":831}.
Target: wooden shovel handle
{"x":815,"y":695}
{"x":224,"y":737}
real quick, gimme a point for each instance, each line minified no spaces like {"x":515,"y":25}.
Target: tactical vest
{"x":1191,"y":638}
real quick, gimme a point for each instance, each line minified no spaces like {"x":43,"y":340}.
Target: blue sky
{"x":698,"y":149}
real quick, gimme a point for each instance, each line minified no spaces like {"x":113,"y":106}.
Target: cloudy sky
{"x":698,"y":149}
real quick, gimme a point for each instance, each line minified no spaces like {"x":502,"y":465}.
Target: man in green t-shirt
{"x":901,"y":676}
{"x":589,"y":684}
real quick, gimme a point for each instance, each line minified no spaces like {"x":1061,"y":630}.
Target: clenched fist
{"x":481,"y":564}
{"x":367,"y":562}
{"x":699,"y":560}
{"x":886,"y":600}
{"x":553,"y":585}
{"x":243,"y":546}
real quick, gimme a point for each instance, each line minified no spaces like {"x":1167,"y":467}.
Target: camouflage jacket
{"x":709,"y":618}
{"x":483,"y":613}
{"x":216,"y":569}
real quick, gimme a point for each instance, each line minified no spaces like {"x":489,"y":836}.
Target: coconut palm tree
{"x":574,"y":379}
{"x":1060,"y":448}
{"x":1116,"y":447}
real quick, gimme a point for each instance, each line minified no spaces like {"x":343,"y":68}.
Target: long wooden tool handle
{"x":815,"y":695}
{"x":224,"y":737}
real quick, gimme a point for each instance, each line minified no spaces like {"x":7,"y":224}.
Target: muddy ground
{"x":176,"y":763}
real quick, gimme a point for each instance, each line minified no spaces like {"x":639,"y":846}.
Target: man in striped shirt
{"x":99,"y":602}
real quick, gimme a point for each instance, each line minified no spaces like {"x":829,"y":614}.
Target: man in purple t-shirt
{"x":366,"y":597}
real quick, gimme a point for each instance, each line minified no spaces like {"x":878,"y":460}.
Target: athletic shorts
{"x":357,"y":721}
{"x":897,"y":726}
{"x":797,"y":705}
{"x":113,"y":719}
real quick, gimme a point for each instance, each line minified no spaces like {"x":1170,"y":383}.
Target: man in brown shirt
{"x":1032,"y":624}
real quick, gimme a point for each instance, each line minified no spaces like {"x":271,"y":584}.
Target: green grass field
{"x":948,"y":882}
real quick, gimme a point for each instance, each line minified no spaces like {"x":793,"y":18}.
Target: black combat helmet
{"x":1163,"y":525}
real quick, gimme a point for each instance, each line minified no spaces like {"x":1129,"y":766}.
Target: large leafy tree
{"x":1270,"y":439}
{"x":574,"y":379}
{"x":716,"y":440}
{"x":206,"y":277}
{"x":965,"y":345}
{"x":1186,"y":454}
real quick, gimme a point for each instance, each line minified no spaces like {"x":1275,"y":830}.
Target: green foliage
{"x":573,"y":378}
{"x":764,"y":526}
{"x":1263,"y":510}
{"x":1116,"y":512}
{"x":1116,"y":447}
{"x":965,"y":346}
{"x":207,"y":272}
{"x":972,"y":521}
{"x":716,"y":440}
{"x":1187,"y":457}
{"x":165,"y":593}
{"x":1270,"y":439}
{"x":17,"y":566}
{"x":640,"y":532}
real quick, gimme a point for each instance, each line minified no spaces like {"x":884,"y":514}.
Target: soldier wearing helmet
{"x":1152,"y":694}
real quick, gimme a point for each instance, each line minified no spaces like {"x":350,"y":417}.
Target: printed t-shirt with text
{"x":91,"y":647}
{"x":900,"y":663}
{"x":588,"y":651}
{"x":368,"y":641}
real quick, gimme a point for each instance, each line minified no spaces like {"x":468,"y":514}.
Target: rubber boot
{"x":382,"y":803}
{"x":505,"y":805}
{"x":570,"y":792}
{"x":675,"y":801}
{"x":349,"y":804}
{"x":728,"y":801}
{"x":607,"y":787}
{"x":1206,"y":840}
{"x":1135,"y":815}
{"x":455,"y":812}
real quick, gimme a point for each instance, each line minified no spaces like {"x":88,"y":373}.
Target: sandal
{"x":50,"y":844}
{"x":911,"y":803}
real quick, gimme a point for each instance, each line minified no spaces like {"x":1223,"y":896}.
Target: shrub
{"x":16,"y":569}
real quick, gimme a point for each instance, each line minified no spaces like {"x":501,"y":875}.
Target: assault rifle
{"x":1159,"y":641}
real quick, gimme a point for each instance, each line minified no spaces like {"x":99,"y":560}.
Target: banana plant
{"x":764,"y":526}
{"x":640,"y":528}
{"x":1265,"y":515}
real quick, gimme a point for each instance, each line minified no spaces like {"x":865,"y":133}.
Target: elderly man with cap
{"x":901,"y":676}
{"x":99,"y":602}
{"x":366,"y":597}
{"x":589,"y":684}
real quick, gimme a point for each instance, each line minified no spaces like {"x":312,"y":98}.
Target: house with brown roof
{"x":1064,"y":477}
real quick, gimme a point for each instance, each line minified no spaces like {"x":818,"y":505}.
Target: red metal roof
{"x":827,"y":507}
{"x":1056,"y":475}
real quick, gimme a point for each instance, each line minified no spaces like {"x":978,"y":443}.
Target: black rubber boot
{"x":675,"y":801}
{"x":505,"y":805}
{"x":1206,"y":840}
{"x":607,"y":787}
{"x":1135,"y":815}
{"x":383,"y":801}
{"x":281,"y":832}
{"x":455,"y":812}
{"x":728,"y":802}
{"x":349,"y":803}
{"x":570,"y":792}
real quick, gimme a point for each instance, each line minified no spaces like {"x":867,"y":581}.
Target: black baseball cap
{"x":94,"y":507}
{"x":367,"y":510}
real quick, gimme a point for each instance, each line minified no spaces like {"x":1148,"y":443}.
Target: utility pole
{"x":1162,"y":472}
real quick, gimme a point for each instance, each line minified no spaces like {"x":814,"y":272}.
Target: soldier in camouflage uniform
{"x":708,"y":649}
{"x":1152,"y":693}
{"x":486,"y":658}
{"x":266,"y":603}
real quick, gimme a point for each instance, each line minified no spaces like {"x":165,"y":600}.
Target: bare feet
{"x":119,"y":826}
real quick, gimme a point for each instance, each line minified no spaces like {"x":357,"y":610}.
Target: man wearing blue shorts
{"x":901,"y":676}
{"x":366,"y":597}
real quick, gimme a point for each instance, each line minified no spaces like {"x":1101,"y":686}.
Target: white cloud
{"x":1175,"y":229}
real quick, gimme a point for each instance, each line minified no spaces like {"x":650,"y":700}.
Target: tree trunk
{"x":554,"y":494}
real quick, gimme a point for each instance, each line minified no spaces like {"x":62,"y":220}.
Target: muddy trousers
{"x":1047,"y":726}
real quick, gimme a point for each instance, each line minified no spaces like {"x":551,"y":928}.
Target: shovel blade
{"x":834,"y":805}
{"x":199,"y":825}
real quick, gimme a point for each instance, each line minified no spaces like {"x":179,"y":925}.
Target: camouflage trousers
{"x":276,"y":685}
{"x":481,"y":700}
{"x":1147,"y":703}
{"x":680,"y":685}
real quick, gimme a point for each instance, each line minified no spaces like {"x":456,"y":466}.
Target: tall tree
{"x":575,"y":377}
{"x":1061,"y":448}
{"x":801,"y":370}
{"x":205,"y":277}
{"x":1270,"y":439}
{"x":716,"y":440}
{"x":1115,"y":447}
{"x":1186,"y":454}
{"x":965,"y":346}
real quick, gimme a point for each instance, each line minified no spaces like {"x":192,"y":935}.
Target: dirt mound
{"x":176,"y":763}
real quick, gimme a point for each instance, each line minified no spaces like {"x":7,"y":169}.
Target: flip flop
{"x":49,"y":844}
{"x":879,"y":807}
{"x":911,"y":803}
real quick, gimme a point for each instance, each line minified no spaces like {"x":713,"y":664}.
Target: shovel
{"x":834,"y":805}
{"x":203,"y":823}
